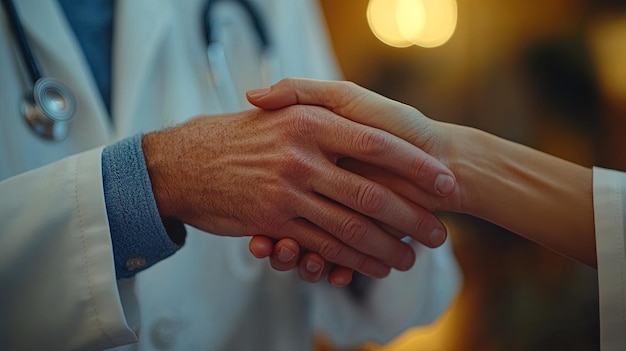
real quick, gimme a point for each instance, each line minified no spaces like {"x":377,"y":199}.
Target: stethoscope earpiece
{"x":49,"y":109}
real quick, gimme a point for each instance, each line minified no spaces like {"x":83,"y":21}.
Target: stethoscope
{"x":50,"y":107}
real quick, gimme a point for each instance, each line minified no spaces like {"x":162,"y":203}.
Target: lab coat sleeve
{"x":58,"y":287}
{"x":609,"y":199}
{"x":391,"y":305}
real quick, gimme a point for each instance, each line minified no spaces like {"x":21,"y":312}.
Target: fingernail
{"x":444,"y":184}
{"x":437,"y":237}
{"x":258,"y":93}
{"x":285,"y":255}
{"x":313,"y":267}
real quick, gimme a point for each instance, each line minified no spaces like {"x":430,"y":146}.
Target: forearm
{"x":541,"y":197}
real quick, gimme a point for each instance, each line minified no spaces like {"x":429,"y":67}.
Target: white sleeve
{"x":58,"y":288}
{"x":609,"y":195}
{"x":609,"y":198}
{"x":393,"y":304}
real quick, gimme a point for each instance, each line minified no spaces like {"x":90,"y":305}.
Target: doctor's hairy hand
{"x":275,"y":173}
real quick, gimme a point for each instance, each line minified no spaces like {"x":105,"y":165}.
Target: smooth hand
{"x":500,"y":181}
{"x":367,"y":108}
{"x":275,"y":173}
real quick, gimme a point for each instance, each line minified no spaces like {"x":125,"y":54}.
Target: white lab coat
{"x":609,"y":204}
{"x":57,"y":280}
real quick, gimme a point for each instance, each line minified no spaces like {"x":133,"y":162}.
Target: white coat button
{"x":135,"y":263}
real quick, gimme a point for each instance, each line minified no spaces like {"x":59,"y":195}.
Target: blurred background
{"x":550,"y":74}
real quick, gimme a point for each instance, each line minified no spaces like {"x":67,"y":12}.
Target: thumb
{"x":272,"y":98}
{"x":293,"y":91}
{"x":348,"y":100}
{"x":362,"y":106}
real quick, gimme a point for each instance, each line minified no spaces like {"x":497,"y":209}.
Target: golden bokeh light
{"x":382,"y":19}
{"x":402,"y":23}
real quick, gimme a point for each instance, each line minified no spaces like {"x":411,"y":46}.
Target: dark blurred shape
{"x":562,"y":71}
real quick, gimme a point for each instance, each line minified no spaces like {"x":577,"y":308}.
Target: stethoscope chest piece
{"x":49,"y":109}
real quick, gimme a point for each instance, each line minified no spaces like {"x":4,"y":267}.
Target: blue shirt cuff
{"x":139,"y":236}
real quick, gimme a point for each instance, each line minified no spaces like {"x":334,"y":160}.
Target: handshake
{"x":391,"y":194}
{"x":330,"y":178}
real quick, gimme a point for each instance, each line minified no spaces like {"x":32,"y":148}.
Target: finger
{"x":433,"y":243}
{"x":378,"y":202}
{"x":338,"y":96}
{"x":391,"y":231}
{"x":345,"y":99}
{"x":285,"y":255}
{"x":357,"y":231}
{"x":261,"y":246}
{"x":314,"y":239}
{"x":312,"y":267}
{"x":340,"y":276}
{"x":393,"y":181}
{"x":398,"y":185}
{"x":378,"y":147}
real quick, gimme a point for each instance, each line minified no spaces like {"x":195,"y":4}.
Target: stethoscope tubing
{"x":251,"y":11}
{"x":29,"y":59}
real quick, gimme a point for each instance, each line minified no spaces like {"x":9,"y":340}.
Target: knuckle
{"x":350,"y":85}
{"x":287,"y":81}
{"x":371,"y":198}
{"x":351,"y":96}
{"x":301,"y":120}
{"x":296,"y":115}
{"x":372,"y":142}
{"x":348,"y":88}
{"x":421,"y":227}
{"x":296,"y":166}
{"x":330,"y":250}
{"x":353,"y":230}
{"x":420,"y":166}
{"x":346,"y":95}
{"x":345,"y":88}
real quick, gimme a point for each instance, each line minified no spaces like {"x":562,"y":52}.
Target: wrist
{"x":159,"y":173}
{"x":462,"y":149}
{"x":486,"y":167}
{"x":524,"y":190}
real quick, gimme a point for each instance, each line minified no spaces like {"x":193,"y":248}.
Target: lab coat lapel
{"x":143,"y":24}
{"x":59,"y":55}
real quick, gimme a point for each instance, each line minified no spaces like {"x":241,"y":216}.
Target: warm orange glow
{"x":401,"y":23}
{"x":381,"y":16}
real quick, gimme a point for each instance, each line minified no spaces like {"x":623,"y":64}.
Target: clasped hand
{"x":302,"y":173}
